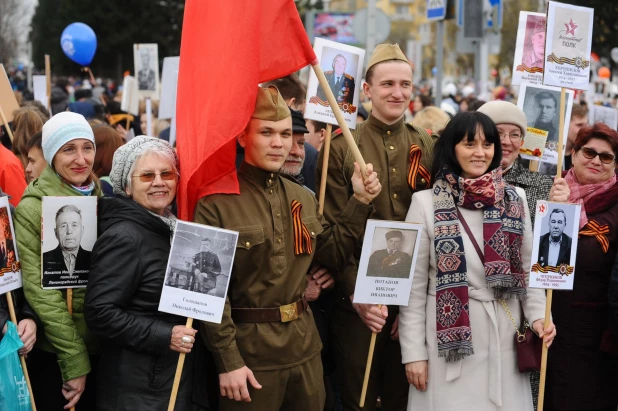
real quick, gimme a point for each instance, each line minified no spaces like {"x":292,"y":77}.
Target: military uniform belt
{"x":283,"y":314}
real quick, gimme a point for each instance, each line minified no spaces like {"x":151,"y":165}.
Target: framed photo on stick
{"x":529,"y":49}
{"x":343,"y":69}
{"x":146,"y":59}
{"x":10,"y":273}
{"x":387,"y":262}
{"x":68,"y":233}
{"x":554,"y":246}
{"x":198,"y":271}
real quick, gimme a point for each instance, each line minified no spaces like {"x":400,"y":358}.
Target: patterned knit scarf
{"x":581,"y":193}
{"x":503,"y":225}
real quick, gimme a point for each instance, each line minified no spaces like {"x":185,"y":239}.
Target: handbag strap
{"x":474,"y":243}
{"x":520,"y":334}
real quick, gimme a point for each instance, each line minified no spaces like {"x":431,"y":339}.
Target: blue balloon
{"x":434,"y":71}
{"x":79,"y":43}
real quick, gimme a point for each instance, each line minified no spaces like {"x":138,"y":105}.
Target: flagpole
{"x":326,"y":148}
{"x":347,"y":134}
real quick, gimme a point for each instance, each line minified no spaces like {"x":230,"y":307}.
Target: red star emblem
{"x":542,"y":208}
{"x":570,"y":26}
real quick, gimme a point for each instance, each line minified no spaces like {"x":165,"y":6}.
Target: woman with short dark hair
{"x":582,"y":367}
{"x":466,"y":300}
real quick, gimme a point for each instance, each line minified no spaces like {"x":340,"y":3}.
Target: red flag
{"x":228,"y":48}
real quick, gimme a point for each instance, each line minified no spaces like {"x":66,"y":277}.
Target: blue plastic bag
{"x":14,"y":395}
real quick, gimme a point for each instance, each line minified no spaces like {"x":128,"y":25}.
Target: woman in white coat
{"x":456,"y":334}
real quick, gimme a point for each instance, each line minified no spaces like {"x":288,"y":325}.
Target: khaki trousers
{"x":299,"y":388}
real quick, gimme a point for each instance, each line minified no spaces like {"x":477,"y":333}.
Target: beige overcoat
{"x":489,"y":379}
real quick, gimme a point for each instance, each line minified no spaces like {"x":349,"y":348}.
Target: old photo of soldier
{"x":390,"y":261}
{"x":69,"y":233}
{"x":146,"y":60}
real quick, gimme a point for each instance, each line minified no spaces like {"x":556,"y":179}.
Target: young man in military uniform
{"x":267,"y":336}
{"x":206,"y":268}
{"x":402,"y":156}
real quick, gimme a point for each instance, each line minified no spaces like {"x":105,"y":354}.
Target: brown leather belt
{"x":283,"y":314}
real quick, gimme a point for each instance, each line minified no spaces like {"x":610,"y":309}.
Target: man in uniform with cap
{"x":402,"y":154}
{"x":390,"y":262}
{"x":341,"y":83}
{"x":206,"y":268}
{"x":266,"y":347}
{"x":534,"y":57}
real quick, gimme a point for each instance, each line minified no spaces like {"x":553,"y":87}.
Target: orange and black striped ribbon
{"x":302,"y":239}
{"x":561,"y":269}
{"x":416,"y":167}
{"x":597,"y":230}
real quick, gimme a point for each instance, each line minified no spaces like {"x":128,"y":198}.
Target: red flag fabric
{"x":227,"y":49}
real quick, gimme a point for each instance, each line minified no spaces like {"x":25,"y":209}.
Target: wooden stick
{"x":48,"y":80}
{"x":70,"y":300}
{"x":181,"y":361}
{"x":550,"y":292}
{"x":347,"y":134}
{"x":6,"y":125}
{"x":94,"y":82}
{"x":326,"y":148}
{"x":372,"y":346}
{"x":544,"y":352}
{"x":9,"y":299}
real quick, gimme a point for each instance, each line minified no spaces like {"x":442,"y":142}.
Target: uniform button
{"x":395,"y":195}
{"x":278,"y":214}
{"x":271,"y":191}
{"x":312,"y":234}
{"x":270,"y":181}
{"x":247,"y":244}
{"x":392,"y":148}
{"x":394,"y":170}
{"x":388,"y":133}
{"x":279,"y":240}
{"x":272,"y":175}
{"x":423,"y":180}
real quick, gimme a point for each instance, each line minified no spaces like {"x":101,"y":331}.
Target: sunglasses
{"x":149,"y":177}
{"x":605,"y":158}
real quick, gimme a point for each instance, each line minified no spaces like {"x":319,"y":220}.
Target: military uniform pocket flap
{"x":250,"y":236}
{"x":314,"y":226}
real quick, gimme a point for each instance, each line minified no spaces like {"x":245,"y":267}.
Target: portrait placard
{"x":387,"y":262}
{"x":343,"y":69}
{"x":198,"y":271}
{"x":130,"y":96}
{"x":554,"y":246}
{"x":529,"y":49}
{"x":541,"y":106}
{"x":68,"y":233}
{"x":39,"y":89}
{"x":606,"y":115}
{"x":10,"y":271}
{"x":169,"y":84}
{"x":568,"y":43}
{"x":146,"y":60}
{"x":8,"y":101}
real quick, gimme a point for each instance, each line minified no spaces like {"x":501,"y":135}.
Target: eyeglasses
{"x":605,"y":158}
{"x":513,"y":136}
{"x":149,"y":177}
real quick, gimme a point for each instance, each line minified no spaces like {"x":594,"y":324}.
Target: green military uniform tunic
{"x":387,"y":148}
{"x":266,"y":273}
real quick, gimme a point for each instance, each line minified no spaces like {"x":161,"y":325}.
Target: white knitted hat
{"x":503,"y":112}
{"x":62,"y":128}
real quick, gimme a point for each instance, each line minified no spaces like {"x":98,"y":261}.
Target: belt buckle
{"x":288,"y":312}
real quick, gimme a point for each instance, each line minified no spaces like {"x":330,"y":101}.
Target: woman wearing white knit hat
{"x":63,"y":355}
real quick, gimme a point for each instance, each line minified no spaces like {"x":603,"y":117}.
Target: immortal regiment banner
{"x":556,"y":223}
{"x":343,"y":69}
{"x":10,"y":272}
{"x":386,"y":266}
{"x":529,"y":49}
{"x":68,"y":233}
{"x":215,"y":99}
{"x":146,"y":60}
{"x":568,"y":45}
{"x":198,"y":271}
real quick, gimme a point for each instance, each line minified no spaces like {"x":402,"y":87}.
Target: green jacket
{"x":62,"y":334}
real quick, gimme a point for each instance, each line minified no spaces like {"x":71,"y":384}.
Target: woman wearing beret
{"x":582,"y":367}
{"x":64,"y":357}
{"x":457,"y":333}
{"x":141,"y":345}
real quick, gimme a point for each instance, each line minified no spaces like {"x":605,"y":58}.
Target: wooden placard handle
{"x":181,"y":361}
{"x":326,"y":149}
{"x":372,"y":346}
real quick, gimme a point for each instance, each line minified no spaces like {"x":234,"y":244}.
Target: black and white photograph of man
{"x":555,"y":244}
{"x":392,"y":261}
{"x":146,"y":62}
{"x":200,"y":260}
{"x":66,"y":257}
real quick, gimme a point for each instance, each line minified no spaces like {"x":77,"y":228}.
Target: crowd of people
{"x":291,"y":336}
